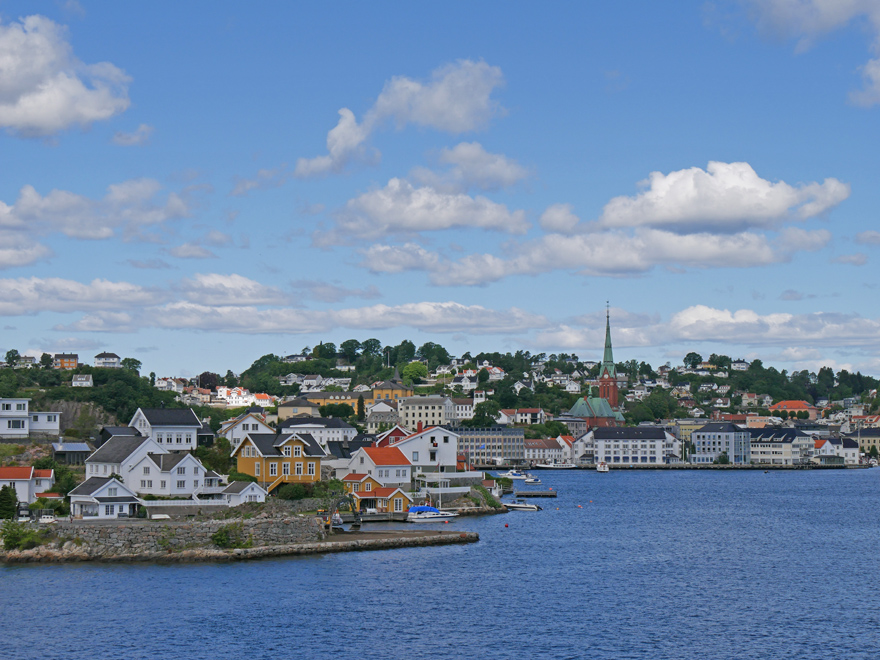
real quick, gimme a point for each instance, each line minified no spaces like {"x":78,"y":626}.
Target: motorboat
{"x":556,"y":466}
{"x":513,"y":474}
{"x":428,"y":514}
{"x":602,"y":467}
{"x":531,"y":479}
{"x":521,"y":505}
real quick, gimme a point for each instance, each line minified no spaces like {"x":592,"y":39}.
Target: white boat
{"x":530,"y":479}
{"x":602,"y":467}
{"x":428,"y":514}
{"x":513,"y":474}
{"x":521,"y":505}
{"x":557,"y":466}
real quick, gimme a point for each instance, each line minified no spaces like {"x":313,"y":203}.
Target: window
{"x":196,"y":483}
{"x":7,"y":406}
{"x":368,"y":487}
{"x":432,"y":456}
{"x":285,"y":469}
{"x":398,"y":504}
{"x":362,"y":460}
{"x":415,"y":456}
{"x":146,"y":470}
{"x":298,"y":468}
{"x":189,"y":438}
{"x":108,"y":509}
{"x":111,"y":492}
{"x":36,"y":418}
{"x":146,"y":483}
{"x":20,"y":406}
{"x":181,"y":484}
{"x":181,"y":470}
{"x":15,"y":424}
{"x":356,"y":488}
{"x":162,"y":484}
{"x":273,"y":469}
{"x":445,"y":439}
{"x":297,"y":452}
{"x":286,"y":451}
{"x":256,"y":469}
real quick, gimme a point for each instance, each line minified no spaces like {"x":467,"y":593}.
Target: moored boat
{"x":428,"y":514}
{"x":513,"y":474}
{"x":522,"y":505}
{"x":556,"y":466}
{"x":602,"y":467}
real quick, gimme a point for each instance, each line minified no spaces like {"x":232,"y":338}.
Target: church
{"x":603,"y":410}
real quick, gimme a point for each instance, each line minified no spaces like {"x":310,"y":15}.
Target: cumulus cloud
{"x":327,"y":292}
{"x":132,"y":206}
{"x":17,"y":250}
{"x":456,"y":99}
{"x":45,"y":89}
{"x":471,"y":166}
{"x":31,"y":295}
{"x":401,"y":208}
{"x":725,"y":197}
{"x":869,"y":237}
{"x":559,"y":219}
{"x":857,"y":259}
{"x":807,"y":20}
{"x":265,"y":179}
{"x":214,"y":289}
{"x":135,"y":139}
{"x":399,"y":258}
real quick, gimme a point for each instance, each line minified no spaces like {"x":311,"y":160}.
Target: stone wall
{"x":95,"y":540}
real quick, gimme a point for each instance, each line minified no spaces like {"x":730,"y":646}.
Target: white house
{"x":18,"y":422}
{"x":431,"y":450}
{"x":82,"y":380}
{"x":104,"y":498}
{"x":543,"y":450}
{"x":322,"y":429}
{"x":237,"y":428}
{"x":119,"y":455}
{"x":387,"y":465}
{"x":176,"y":429}
{"x":239,"y":492}
{"x":627,"y":446}
{"x":107,"y":360}
{"x":27,"y":481}
{"x":166,"y":475}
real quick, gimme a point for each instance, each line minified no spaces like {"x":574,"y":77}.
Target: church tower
{"x":607,"y":372}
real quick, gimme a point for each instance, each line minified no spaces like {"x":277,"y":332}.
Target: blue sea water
{"x":678,"y":565}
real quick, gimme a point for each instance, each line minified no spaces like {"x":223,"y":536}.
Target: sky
{"x":196,"y":189}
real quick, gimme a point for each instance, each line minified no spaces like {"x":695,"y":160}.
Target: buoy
{"x":446,"y":521}
{"x":505,"y":524}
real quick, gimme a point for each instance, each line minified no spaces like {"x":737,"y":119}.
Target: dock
{"x":535,"y":493}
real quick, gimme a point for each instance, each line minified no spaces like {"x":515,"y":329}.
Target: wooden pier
{"x":535,"y":493}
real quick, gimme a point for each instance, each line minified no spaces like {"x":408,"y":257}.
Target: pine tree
{"x":361,"y":413}
{"x":8,"y":502}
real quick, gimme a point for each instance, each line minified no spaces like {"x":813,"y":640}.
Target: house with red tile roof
{"x":795,"y":407}
{"x":27,"y":481}
{"x":387,"y":465}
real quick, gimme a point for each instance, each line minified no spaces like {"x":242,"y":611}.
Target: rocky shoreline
{"x":350,"y":542}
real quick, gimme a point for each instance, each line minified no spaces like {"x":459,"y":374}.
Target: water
{"x":678,"y":565}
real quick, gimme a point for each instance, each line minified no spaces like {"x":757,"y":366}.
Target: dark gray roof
{"x":70,"y":446}
{"x":776,"y":434}
{"x":110,"y":500}
{"x":167,"y":462}
{"x":325,"y":422}
{"x":720,"y":427}
{"x":171,"y":417}
{"x":865,"y":433}
{"x":312,"y":448}
{"x":236,"y":487}
{"x":847,"y":442}
{"x":90,"y":485}
{"x":116,"y":449}
{"x":119,"y":430}
{"x":297,"y":403}
{"x":265,"y":443}
{"x":206,"y":429}
{"x":346,"y":449}
{"x":107,"y":355}
{"x":629,"y":433}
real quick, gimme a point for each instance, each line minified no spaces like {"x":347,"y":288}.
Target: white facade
{"x":712,"y":440}
{"x":122,"y":465}
{"x":107,"y":360}
{"x":16,"y":421}
{"x":27,"y":481}
{"x":174,"y":437}
{"x":103,"y":499}
{"x":425,"y":410}
{"x":433,"y":449}
{"x":251,"y":493}
{"x":628,"y":446}
{"x":323,"y":433}
{"x":236,"y":429}
{"x":395,"y":473}
{"x":182,"y":479}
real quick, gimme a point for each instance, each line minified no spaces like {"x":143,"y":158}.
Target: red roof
{"x":384,"y":493}
{"x":791,"y":405}
{"x":386,"y":456}
{"x":49,"y":496}
{"x":43,"y":474}
{"x":13,"y":473}
{"x":354,"y":476}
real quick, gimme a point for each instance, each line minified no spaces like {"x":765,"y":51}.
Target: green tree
{"x":208,"y":380}
{"x":873,"y":451}
{"x":230,"y":380}
{"x":46,"y":361}
{"x":8,"y":502}
{"x":483,"y":376}
{"x":341,"y":410}
{"x":131,"y":364}
{"x":723,"y":459}
{"x":361,"y":411}
{"x":484,"y":414}
{"x":325,"y":351}
{"x":371,"y":347}
{"x":12,"y":357}
{"x":152,"y":379}
{"x":349,"y":349}
{"x":415,"y":371}
{"x":692,"y":360}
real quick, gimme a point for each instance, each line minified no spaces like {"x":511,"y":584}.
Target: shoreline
{"x":360,"y":541}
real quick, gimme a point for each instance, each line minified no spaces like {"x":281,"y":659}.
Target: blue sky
{"x":198,"y":189}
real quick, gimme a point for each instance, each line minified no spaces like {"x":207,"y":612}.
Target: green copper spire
{"x":608,"y":358}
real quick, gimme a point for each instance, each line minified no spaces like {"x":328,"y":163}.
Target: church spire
{"x":608,"y":358}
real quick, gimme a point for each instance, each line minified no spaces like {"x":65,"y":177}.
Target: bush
{"x":18,"y":536}
{"x":231,"y":536}
{"x":487,"y":497}
{"x":241,"y":476}
{"x":294,"y":492}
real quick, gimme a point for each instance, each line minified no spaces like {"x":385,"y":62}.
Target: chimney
{"x":419,"y":429}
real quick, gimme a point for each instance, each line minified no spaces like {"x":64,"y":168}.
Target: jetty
{"x":535,"y":493}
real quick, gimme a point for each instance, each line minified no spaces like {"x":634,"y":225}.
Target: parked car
{"x":47,"y":518}
{"x":22,"y":518}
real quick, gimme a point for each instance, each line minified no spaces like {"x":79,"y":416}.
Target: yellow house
{"x":390,"y":390}
{"x":370,"y":494}
{"x":281,"y":459}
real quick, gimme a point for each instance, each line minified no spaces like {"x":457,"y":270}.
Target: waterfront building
{"x":781,"y":446}
{"x":433,"y":449}
{"x":387,"y":465}
{"x":716,"y":438}
{"x":166,"y":475}
{"x":639,"y":445}
{"x":28,"y":482}
{"x":103,"y":498}
{"x":867,"y":439}
{"x":543,"y":450}
{"x":339,"y":454}
{"x":491,"y":444}
{"x":280,"y":459}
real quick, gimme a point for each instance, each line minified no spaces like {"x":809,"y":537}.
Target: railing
{"x":152,"y":503}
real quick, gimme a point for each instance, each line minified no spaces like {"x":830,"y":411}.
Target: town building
{"x":18,"y":422}
{"x":716,"y":438}
{"x":299,"y":407}
{"x":107,"y":361}
{"x":82,"y":380}
{"x":323,"y":429}
{"x":176,"y":429}
{"x":781,"y":446}
{"x":275,"y":460}
{"x":66,"y":361}
{"x":28,"y":482}
{"x":639,"y":445}
{"x":103,"y":498}
{"x":542,"y":450}
{"x":237,"y":428}
{"x":491,"y":444}
{"x":387,"y":465}
{"x":416,"y":412}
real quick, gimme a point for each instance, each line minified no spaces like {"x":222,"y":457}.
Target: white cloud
{"x":149,"y":264}
{"x":131,"y":206}
{"x":17,"y":250}
{"x":869,"y":237}
{"x":134,"y":139}
{"x":456,"y":99}
{"x":399,"y":258}
{"x":191,"y":250}
{"x":327,"y":292}
{"x":725,"y":197}
{"x":214,"y":289}
{"x":857,"y":259}
{"x":559,"y":219}
{"x":808,"y":19}
{"x":472,"y":167}
{"x":30,"y":295}
{"x":438,"y":317}
{"x":264,"y":180}
{"x":44,"y":88}
{"x":400,"y":208}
